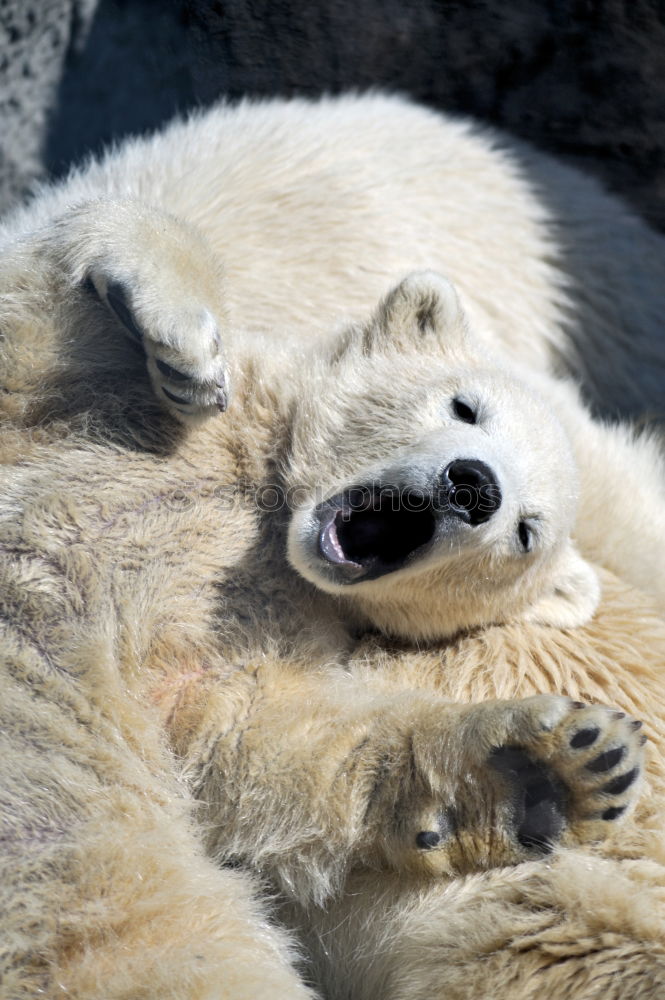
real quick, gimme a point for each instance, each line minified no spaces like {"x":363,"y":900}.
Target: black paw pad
{"x":427,"y":839}
{"x":172,"y":373}
{"x":539,"y":800}
{"x":607,"y":760}
{"x":613,"y":812}
{"x":584,"y":738}
{"x":116,"y":296}
{"x":176,"y":399}
{"x":621,"y":783}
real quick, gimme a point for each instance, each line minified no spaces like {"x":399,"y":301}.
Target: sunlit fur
{"x":175,"y":694}
{"x":407,"y":379}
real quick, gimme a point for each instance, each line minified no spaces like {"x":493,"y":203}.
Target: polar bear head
{"x":435,"y":488}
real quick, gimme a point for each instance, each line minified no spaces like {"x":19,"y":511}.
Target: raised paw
{"x":574,"y":777}
{"x":182,"y":345}
{"x":593,"y":757}
{"x":528,"y":775}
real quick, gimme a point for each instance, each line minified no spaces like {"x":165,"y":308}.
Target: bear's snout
{"x":369,"y":531}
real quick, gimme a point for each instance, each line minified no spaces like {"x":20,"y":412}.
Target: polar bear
{"x":154,"y":594}
{"x":455,"y":517}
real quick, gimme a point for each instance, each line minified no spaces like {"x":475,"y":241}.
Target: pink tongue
{"x":329,"y":543}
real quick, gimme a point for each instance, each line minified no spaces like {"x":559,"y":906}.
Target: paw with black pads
{"x":572,"y":781}
{"x":181,"y":340}
{"x":500,"y":782}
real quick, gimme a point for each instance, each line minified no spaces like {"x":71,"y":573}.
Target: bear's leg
{"x":530,"y":774}
{"x":575,"y":928}
{"x":123,"y":904}
{"x":105,"y":891}
{"x":172,"y":927}
{"x":160,"y":291}
{"x":405,"y":782}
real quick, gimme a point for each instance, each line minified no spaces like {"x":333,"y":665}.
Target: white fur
{"x":253,"y":243}
{"x":316,"y":210}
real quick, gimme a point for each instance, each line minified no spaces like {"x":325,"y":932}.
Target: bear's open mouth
{"x":369,"y":534}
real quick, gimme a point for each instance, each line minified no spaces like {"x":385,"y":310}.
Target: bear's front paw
{"x":182,"y":345}
{"x":525,"y":775}
{"x":575,"y":777}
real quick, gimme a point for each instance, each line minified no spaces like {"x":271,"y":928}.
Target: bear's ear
{"x":423,"y":306}
{"x":572,"y":593}
{"x":423,"y":311}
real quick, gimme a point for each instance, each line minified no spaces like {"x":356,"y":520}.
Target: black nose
{"x":471,"y":490}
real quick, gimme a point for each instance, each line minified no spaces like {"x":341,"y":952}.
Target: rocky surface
{"x":582,"y":78}
{"x":36,"y":37}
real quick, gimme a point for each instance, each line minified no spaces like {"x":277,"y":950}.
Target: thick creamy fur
{"x":160,"y":650}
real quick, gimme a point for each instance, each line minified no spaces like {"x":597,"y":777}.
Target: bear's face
{"x":436,"y":490}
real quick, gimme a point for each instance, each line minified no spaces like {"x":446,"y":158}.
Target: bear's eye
{"x":525,"y":535}
{"x":463,"y":411}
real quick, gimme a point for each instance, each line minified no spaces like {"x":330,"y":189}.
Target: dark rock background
{"x":36,"y":39}
{"x":582,"y":78}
